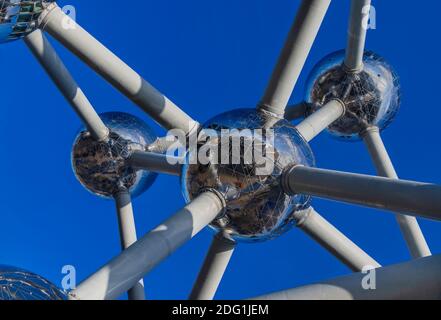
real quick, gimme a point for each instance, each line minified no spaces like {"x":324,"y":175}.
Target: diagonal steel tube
{"x":57,"y":71}
{"x":357,"y":34}
{"x":156,"y":162}
{"x":415,"y":280}
{"x":314,"y":225}
{"x":321,"y":119}
{"x":126,"y":269}
{"x":113,"y":69}
{"x":415,"y":198}
{"x":213,"y":269}
{"x":294,"y":54}
{"x":127,"y":231}
{"x":409,"y":225}
{"x":163,"y":144}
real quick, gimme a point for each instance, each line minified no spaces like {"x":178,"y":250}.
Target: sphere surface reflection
{"x":19,"y":18}
{"x":102,"y":167}
{"x":17,"y":284}
{"x":372,"y":96}
{"x":246,"y":170}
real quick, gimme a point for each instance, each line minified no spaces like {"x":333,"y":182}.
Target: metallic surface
{"x":102,"y":167}
{"x":318,"y":121}
{"x":297,"y":111}
{"x":409,"y":225}
{"x":154,"y":162}
{"x":357,"y":34}
{"x":17,"y":284}
{"x":19,"y":18}
{"x":257,"y":207}
{"x":313,"y":224}
{"x":294,"y":54}
{"x":416,"y":198}
{"x":127,"y":232}
{"x":114,"y":70}
{"x":234,"y":198}
{"x":213,"y":269}
{"x":371,"y":96}
{"x":51,"y":62}
{"x":415,"y":280}
{"x":125,"y":270}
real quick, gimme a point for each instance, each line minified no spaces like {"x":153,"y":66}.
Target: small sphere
{"x":371,"y":96}
{"x":19,"y":18}
{"x":102,"y":167}
{"x":257,"y":207}
{"x":17,"y":284}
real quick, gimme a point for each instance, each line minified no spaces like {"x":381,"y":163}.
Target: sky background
{"x":208,"y":57}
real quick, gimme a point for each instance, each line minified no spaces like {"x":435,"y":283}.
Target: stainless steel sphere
{"x":102,"y":168}
{"x":17,"y":284}
{"x":257,"y":207}
{"x":372,"y":96}
{"x":18,"y":17}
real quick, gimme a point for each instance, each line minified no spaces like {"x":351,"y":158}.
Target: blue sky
{"x":208,"y":57}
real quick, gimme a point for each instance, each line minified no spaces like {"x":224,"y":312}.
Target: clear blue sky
{"x":208,"y":57}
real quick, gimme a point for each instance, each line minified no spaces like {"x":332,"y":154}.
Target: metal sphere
{"x":102,"y":167}
{"x":257,"y":207}
{"x":19,"y":18}
{"x":371,"y":96}
{"x":17,"y":284}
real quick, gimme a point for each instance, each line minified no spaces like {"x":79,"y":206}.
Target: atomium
{"x":18,"y":18}
{"x":371,"y":96}
{"x":250,"y":176}
{"x":257,"y":207}
{"x":102,"y":167}
{"x":17,"y":284}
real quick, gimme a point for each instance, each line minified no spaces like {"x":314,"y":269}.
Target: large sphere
{"x":18,"y":18}
{"x":17,"y":284}
{"x":372,"y":96}
{"x":257,"y":207}
{"x":102,"y":167}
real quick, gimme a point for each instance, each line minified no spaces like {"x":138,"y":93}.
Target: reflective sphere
{"x":102,"y":167}
{"x":17,"y":284}
{"x":372,"y":96}
{"x":18,"y":18}
{"x":245,"y":167}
